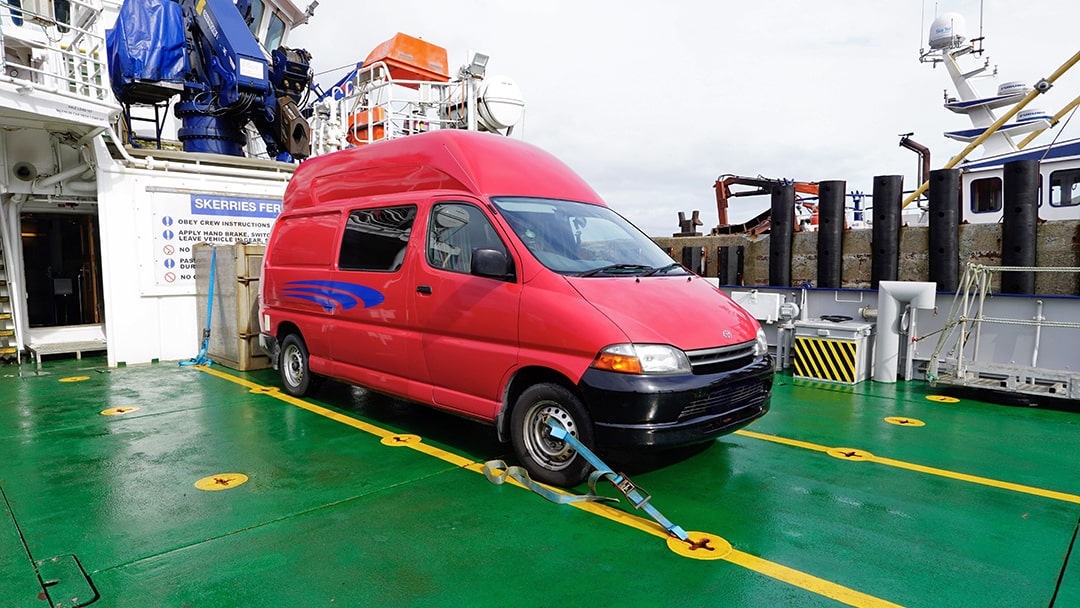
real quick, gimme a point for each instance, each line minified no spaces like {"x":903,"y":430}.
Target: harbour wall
{"x":1057,"y":245}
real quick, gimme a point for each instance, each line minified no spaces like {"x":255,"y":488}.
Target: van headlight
{"x":642,"y":359}
{"x":761,"y":344}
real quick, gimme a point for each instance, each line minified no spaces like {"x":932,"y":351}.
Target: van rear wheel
{"x":548,"y":459}
{"x":296,"y":377}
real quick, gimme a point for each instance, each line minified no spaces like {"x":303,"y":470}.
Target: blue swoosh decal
{"x":344,"y":300}
{"x":333,"y":294}
{"x":327,"y":305}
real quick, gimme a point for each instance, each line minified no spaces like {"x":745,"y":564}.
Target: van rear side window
{"x":305,"y":240}
{"x":375,"y":239}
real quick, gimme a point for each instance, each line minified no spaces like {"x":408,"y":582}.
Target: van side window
{"x":375,"y":239}
{"x":305,"y":240}
{"x":455,"y":230}
{"x":986,"y":195}
{"x":1065,"y":188}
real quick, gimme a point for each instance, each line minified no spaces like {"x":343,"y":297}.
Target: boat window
{"x":256,"y":14}
{"x":275,"y":33}
{"x":455,"y":231}
{"x":1065,"y":188}
{"x":986,"y":195}
{"x":376,"y":239}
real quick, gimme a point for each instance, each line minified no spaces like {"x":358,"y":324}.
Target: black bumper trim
{"x":672,"y":411}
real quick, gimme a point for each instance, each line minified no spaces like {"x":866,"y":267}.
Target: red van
{"x":478,"y":274}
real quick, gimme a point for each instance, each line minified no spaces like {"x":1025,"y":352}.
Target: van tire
{"x":296,"y":376}
{"x":550,"y":460}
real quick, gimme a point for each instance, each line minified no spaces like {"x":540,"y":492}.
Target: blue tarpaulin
{"x":146,"y":51}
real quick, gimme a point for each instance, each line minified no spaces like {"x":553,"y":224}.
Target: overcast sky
{"x":651,"y":101}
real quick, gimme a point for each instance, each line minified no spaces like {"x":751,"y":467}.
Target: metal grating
{"x":726,"y":399}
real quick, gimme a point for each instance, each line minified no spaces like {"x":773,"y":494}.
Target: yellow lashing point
{"x":221,"y":481}
{"x":702,"y":545}
{"x":904,"y":421}
{"x":825,"y":359}
{"x":119,"y":411}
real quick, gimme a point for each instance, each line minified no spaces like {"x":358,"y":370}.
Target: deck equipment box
{"x":835,"y":351}
{"x":234,"y":328}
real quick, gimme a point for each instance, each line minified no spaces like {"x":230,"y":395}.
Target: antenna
{"x":977,"y":43}
{"x":981,"y":4}
{"x":922,"y":27}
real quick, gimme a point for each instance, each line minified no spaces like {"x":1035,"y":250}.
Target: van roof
{"x":483,"y":164}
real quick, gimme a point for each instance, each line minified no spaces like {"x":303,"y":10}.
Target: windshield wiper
{"x":663,"y":269}
{"x":614,"y":267}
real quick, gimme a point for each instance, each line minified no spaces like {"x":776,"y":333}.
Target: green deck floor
{"x":979,"y":507}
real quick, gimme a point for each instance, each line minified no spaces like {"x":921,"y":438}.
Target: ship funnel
{"x":949,"y":31}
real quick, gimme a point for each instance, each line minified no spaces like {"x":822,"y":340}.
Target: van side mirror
{"x":491,"y":263}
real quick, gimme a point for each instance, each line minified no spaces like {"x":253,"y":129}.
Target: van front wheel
{"x":293,"y":365}
{"x":548,"y":459}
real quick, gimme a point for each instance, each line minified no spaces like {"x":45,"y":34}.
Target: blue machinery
{"x":205,"y":51}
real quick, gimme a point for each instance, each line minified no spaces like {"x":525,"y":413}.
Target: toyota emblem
{"x":727,"y":333}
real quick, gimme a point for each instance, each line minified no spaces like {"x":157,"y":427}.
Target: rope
{"x":1000,"y":321}
{"x":981,"y":268}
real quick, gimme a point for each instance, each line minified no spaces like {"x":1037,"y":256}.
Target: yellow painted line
{"x":300,"y":403}
{"x":773,"y":570}
{"x":806,"y":581}
{"x":784,"y":440}
{"x":1005,"y":485}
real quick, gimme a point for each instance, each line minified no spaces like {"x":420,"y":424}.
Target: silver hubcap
{"x":292,"y":365}
{"x":553,"y":454}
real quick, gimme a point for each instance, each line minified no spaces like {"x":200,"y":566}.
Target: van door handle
{"x":424,"y":289}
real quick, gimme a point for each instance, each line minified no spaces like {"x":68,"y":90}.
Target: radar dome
{"x":948,"y":31}
{"x":500,"y":103}
{"x":1031,"y":114}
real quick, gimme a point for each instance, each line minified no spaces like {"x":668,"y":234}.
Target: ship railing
{"x":380,"y":107}
{"x":959,"y":358}
{"x":46,"y":53}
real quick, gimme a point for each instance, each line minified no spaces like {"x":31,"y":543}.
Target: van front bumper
{"x":673,"y":411}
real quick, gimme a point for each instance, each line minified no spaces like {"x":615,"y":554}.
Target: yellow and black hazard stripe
{"x":825,"y":359}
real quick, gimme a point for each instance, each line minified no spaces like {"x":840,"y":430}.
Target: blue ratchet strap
{"x":621,"y":482}
{"x":496,"y":472}
{"x":202,"y":359}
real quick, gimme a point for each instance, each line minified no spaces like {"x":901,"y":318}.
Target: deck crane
{"x":205,"y":51}
{"x":806,"y":210}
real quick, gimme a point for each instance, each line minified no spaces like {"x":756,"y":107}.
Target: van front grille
{"x":721,"y":358}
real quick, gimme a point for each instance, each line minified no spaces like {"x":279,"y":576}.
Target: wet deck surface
{"x":977,"y":507}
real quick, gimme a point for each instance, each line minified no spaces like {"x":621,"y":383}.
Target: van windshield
{"x":584,"y":240}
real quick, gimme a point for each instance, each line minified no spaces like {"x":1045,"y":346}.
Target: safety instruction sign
{"x":182,"y":220}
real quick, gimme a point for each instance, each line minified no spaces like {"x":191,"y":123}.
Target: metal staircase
{"x":1007,"y":360}
{"x":8,"y":348}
